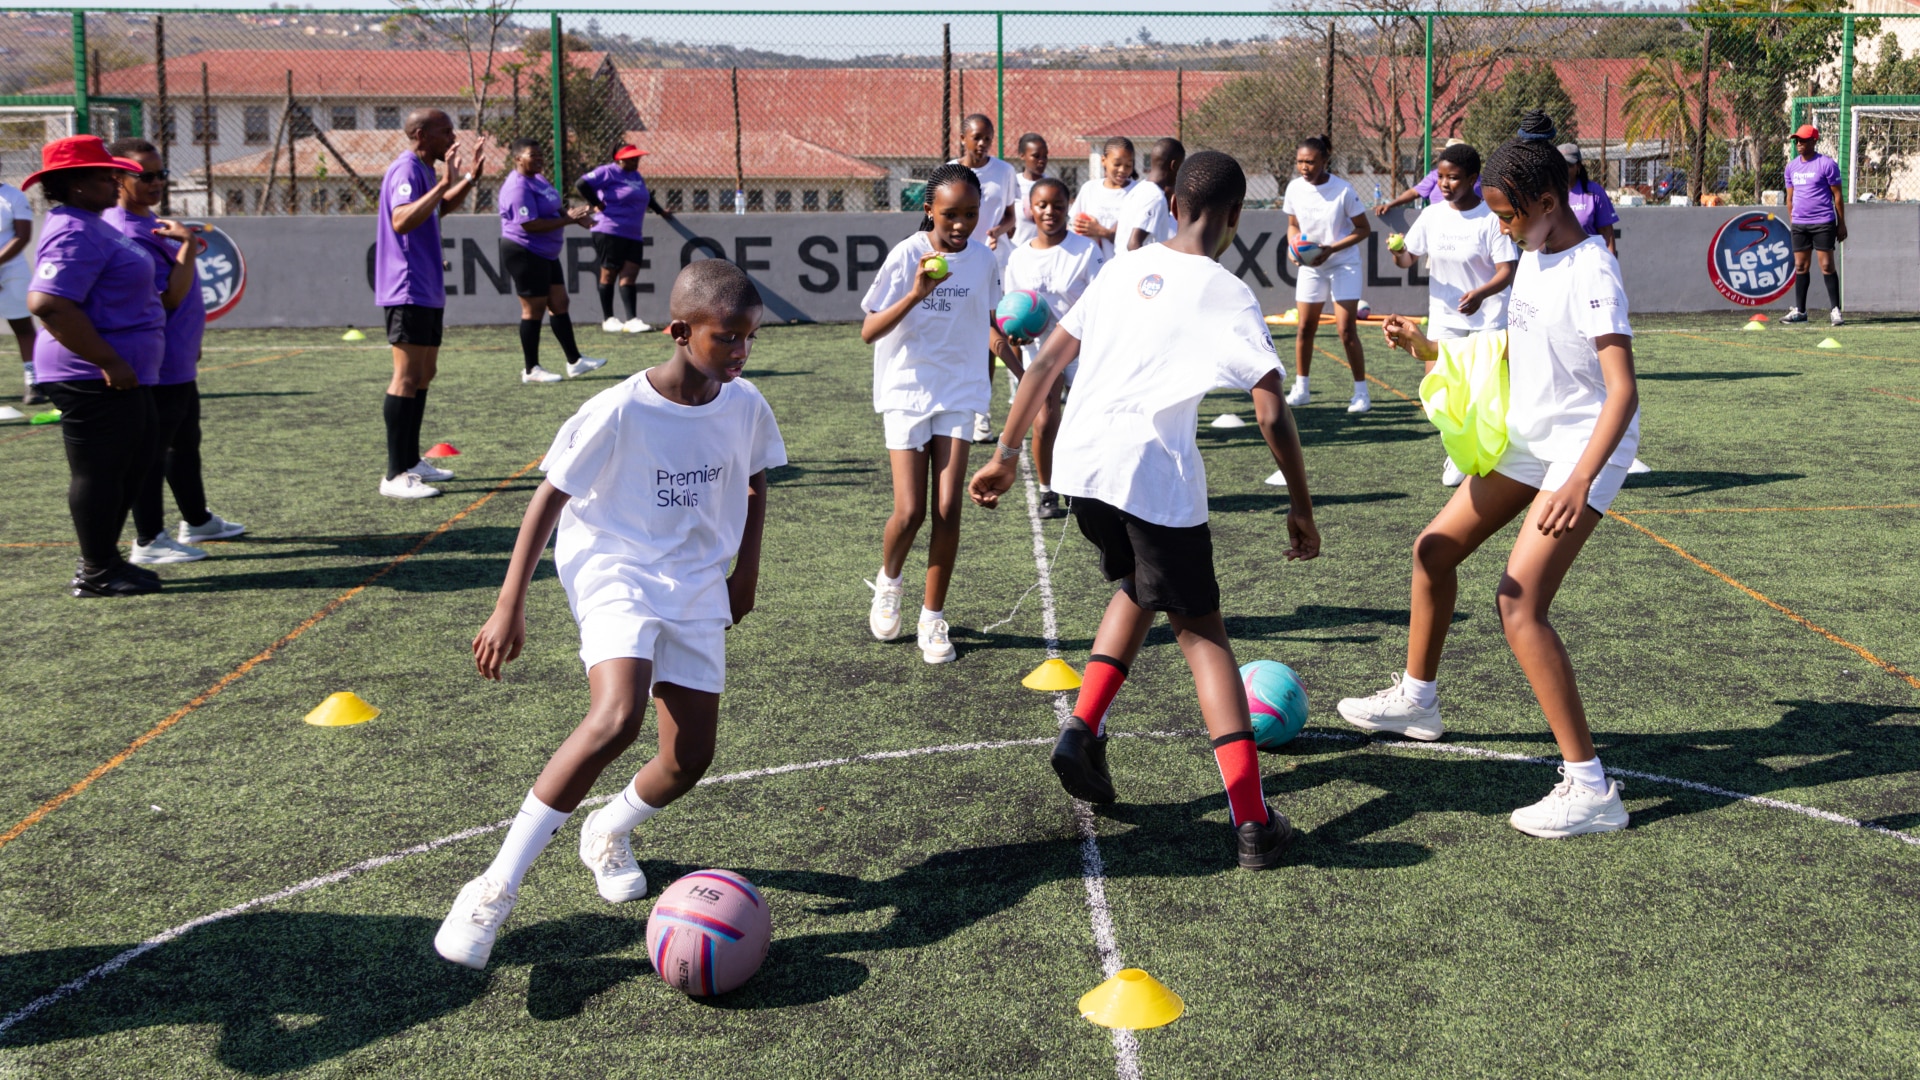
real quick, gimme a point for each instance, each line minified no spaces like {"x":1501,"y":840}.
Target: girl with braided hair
{"x":1573,"y":424}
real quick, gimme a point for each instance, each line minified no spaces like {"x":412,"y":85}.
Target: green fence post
{"x":82,"y":120}
{"x":1426,"y":118}
{"x":1846,"y":109}
{"x":555,"y":88}
{"x":1000,"y":83}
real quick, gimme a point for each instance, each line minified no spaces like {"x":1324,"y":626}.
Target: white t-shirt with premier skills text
{"x":1561,"y":303}
{"x":659,"y":496}
{"x":1145,"y":207}
{"x":1059,"y":274}
{"x":1325,"y":212}
{"x":1462,"y":251}
{"x":935,"y":360}
{"x":999,"y":187}
{"x":1102,"y":204}
{"x":1158,"y":330}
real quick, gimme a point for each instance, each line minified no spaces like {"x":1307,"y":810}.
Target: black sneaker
{"x":1050,"y":508}
{"x":80,"y":570}
{"x":1080,"y":759}
{"x":1262,"y":845}
{"x":113,"y":581}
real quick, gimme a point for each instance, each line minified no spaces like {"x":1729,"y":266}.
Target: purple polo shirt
{"x":84,"y":259}
{"x":1590,"y":204}
{"x":524,"y":199}
{"x":624,"y":194}
{"x":1812,"y":183}
{"x":1429,"y":187}
{"x":186,"y":324}
{"x":406,"y":269}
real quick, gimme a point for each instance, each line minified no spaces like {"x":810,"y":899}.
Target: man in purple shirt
{"x":1817,"y":219}
{"x":408,"y":283}
{"x":620,"y":194}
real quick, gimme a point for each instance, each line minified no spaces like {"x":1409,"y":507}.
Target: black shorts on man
{"x":1819,"y":237}
{"x":617,"y":251}
{"x":532,"y":275}
{"x":1171,"y":568}
{"x":413,"y":324}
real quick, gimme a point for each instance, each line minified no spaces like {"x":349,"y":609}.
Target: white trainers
{"x":1361,"y":402}
{"x":1572,"y":808}
{"x":214,"y":528}
{"x":1834,"y":319}
{"x":1392,"y":710}
{"x":635,"y":326}
{"x":982,"y":428}
{"x":407,"y":486}
{"x":613,"y":325}
{"x":164,"y":549}
{"x":610,"y":857}
{"x":1298,"y":396}
{"x":538,"y":374}
{"x":583,"y":365}
{"x":883,"y":618}
{"x":934,"y":646}
{"x":1638,"y":467}
{"x":428,"y":471}
{"x":1794,"y":315}
{"x":1451,"y":476}
{"x":466,"y":934}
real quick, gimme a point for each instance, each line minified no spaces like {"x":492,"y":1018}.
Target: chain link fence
{"x":287,"y":111}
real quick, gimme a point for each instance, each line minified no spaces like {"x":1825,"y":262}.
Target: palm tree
{"x":1663,"y":102}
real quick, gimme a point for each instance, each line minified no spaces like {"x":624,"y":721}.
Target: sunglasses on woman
{"x":151,"y":175}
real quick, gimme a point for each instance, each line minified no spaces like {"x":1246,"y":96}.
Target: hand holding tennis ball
{"x":1396,"y":242}
{"x":935,"y":266}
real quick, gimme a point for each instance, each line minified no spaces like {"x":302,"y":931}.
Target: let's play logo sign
{"x":222,"y":270}
{"x":1751,"y":259}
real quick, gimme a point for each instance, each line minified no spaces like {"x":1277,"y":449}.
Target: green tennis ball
{"x":1396,"y":242}
{"x":935,"y":266}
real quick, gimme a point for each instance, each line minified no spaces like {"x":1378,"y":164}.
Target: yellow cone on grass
{"x":1754,"y":324}
{"x":341,"y":710}
{"x":1828,"y":344}
{"x":1131,"y":999}
{"x":1055,"y":674}
{"x":353,"y":334}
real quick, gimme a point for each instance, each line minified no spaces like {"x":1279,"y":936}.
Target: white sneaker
{"x":1298,"y":395}
{"x":214,"y":528}
{"x":982,"y":428}
{"x":884,"y":617}
{"x":407,"y":486}
{"x":1360,"y":403}
{"x":1391,"y":710}
{"x":610,"y":857}
{"x":1638,"y":467}
{"x":1451,"y":476}
{"x":1834,"y":319}
{"x":934,"y":646}
{"x":538,"y":374}
{"x":428,"y":471}
{"x":164,"y":549}
{"x":466,"y":934}
{"x":635,"y":326}
{"x":1572,"y":808}
{"x":583,"y":365}
{"x":613,"y":325}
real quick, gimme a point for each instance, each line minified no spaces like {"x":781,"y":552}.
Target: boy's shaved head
{"x":1170,"y":151}
{"x":1209,"y":181}
{"x":712,"y":289}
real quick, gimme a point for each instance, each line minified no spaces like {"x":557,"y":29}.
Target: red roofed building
{"x":694,"y":170}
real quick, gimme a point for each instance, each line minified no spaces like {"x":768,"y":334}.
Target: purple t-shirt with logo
{"x":1812,"y":184}
{"x":1590,"y":204}
{"x":624,"y":194}
{"x":528,"y":198}
{"x":186,"y":324}
{"x":406,"y":269}
{"x":1429,"y":187}
{"x":83,"y":259}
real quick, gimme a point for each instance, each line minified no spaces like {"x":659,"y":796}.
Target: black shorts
{"x":1813,"y":237}
{"x":412,"y":324}
{"x":532,"y":275}
{"x":617,"y":251}
{"x":1171,"y":568}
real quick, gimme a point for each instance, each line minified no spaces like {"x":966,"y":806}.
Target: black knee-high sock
{"x":1800,"y":292}
{"x":1832,"y":280}
{"x":413,"y":426}
{"x":606,"y":300}
{"x":397,"y":412}
{"x":563,"y":333}
{"x":628,"y":297}
{"x":530,"y":342}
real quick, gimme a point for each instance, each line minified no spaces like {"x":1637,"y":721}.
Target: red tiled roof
{"x":682,"y":154}
{"x":393,"y":73}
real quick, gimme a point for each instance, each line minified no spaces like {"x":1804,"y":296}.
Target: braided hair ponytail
{"x":950,"y":173}
{"x":1529,"y":166}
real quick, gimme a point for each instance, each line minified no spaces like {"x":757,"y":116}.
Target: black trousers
{"x":110,"y":447}
{"x":177,"y":463}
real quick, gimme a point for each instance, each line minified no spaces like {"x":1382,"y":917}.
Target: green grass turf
{"x":929,"y":914}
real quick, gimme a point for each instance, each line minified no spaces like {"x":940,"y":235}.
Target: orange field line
{"x":1389,"y":387}
{"x":1889,"y":393}
{"x":250,"y":663}
{"x":1808,"y":352}
{"x":1770,"y":602}
{"x":1769,"y":509}
{"x":250,"y":363}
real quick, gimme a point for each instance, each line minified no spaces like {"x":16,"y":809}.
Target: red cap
{"x":77,"y":152}
{"x":1806,"y":131}
{"x":626,"y":152}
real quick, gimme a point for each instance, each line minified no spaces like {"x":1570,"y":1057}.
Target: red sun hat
{"x":1806,"y":131}
{"x":626,"y":152}
{"x":77,"y":152}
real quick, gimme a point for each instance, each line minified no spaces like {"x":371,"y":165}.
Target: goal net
{"x":1885,"y":154}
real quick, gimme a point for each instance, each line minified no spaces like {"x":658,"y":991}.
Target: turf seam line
{"x":1767,"y":509}
{"x":250,"y":363}
{"x":252,"y":662}
{"x":1802,"y":352}
{"x":1783,"y":609}
{"x":1390,"y":388}
{"x":1889,"y":393}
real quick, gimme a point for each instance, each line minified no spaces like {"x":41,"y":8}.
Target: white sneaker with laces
{"x":580,"y":367}
{"x":635,"y":326}
{"x":214,"y":528}
{"x":466,"y":934}
{"x":1393,"y":711}
{"x":1834,"y":319}
{"x":613,"y":325}
{"x":1572,"y":808}
{"x":164,"y":549}
{"x":407,"y":486}
{"x":1451,"y":476}
{"x":538,"y":374}
{"x":1298,"y":395}
{"x":884,"y":617}
{"x":934,"y":646}
{"x":615,"y":872}
{"x":1794,"y":315}
{"x":428,"y":471}
{"x":982,"y":427}
{"x":1360,"y":403}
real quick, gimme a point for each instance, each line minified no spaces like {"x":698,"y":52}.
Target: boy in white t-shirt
{"x":656,"y":486}
{"x":1058,"y":266}
{"x":1033,"y":167}
{"x":999,"y":188}
{"x":1573,"y":421}
{"x":1158,"y":329}
{"x":1096,"y":209}
{"x":1322,"y":209}
{"x":1145,"y":217}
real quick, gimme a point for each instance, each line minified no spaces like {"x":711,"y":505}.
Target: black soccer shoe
{"x":1262,"y":845}
{"x":80,"y":570}
{"x":113,"y":581}
{"x":1080,"y":759}
{"x":1050,"y":508}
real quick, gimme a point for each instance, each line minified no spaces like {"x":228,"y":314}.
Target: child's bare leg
{"x":1479,"y":508}
{"x":617,"y":707}
{"x":1346,"y":317}
{"x":909,"y":508}
{"x":687,"y":720}
{"x":949,"y":459}
{"x":1536,"y":568}
{"x":1303,"y":338}
{"x":1045,"y":431}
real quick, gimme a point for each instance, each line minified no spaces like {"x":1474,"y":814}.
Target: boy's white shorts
{"x":15,"y":276}
{"x":912,"y":431}
{"x":1519,"y":464}
{"x":1319,"y":284}
{"x":690,"y":653}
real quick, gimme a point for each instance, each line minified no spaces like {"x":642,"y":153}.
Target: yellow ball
{"x":935,"y":266}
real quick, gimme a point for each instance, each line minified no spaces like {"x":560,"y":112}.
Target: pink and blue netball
{"x":1022,"y":314}
{"x":708,"y":932}
{"x":1276,"y":700}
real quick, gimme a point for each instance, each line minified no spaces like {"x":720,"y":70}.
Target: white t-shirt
{"x":1023,"y":227}
{"x":659,"y":496}
{"x":1326,"y":212}
{"x":935,"y":360}
{"x":1158,"y":329}
{"x":999,"y":187}
{"x":14,"y":207}
{"x":1059,"y":274}
{"x":1102,"y":204}
{"x":1462,"y":251}
{"x":1145,"y":207}
{"x":1560,"y":303}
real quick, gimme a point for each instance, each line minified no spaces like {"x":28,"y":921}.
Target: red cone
{"x":442,"y":450}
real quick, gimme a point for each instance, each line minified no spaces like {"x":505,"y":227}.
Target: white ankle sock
{"x":1424,"y":692}
{"x":1044,"y":489}
{"x":929,"y":616}
{"x":892,"y":582}
{"x":1587,"y":772}
{"x":625,"y":812}
{"x":1360,"y":390}
{"x":1300,"y":383}
{"x":527,"y":837}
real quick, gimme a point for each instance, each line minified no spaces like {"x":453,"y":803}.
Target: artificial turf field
{"x":931,"y":907}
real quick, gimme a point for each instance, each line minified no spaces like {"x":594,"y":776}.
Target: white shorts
{"x":1521,"y":465}
{"x":1438,"y":332}
{"x":1333,"y":281}
{"x":14,"y":278}
{"x":912,"y":431}
{"x":690,"y":653}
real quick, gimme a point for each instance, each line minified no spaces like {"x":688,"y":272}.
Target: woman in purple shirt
{"x":106,"y":334}
{"x":620,"y":194}
{"x":1815,"y":219}
{"x":1588,"y":200}
{"x":532,"y":218}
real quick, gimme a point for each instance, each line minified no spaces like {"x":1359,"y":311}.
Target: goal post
{"x":1882,"y":160}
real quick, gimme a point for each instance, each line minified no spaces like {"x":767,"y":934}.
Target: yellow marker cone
{"x":1055,"y":674}
{"x":1755,"y":324}
{"x":341,"y":710}
{"x":1131,"y":999}
{"x":1828,"y":344}
{"x":353,"y":334}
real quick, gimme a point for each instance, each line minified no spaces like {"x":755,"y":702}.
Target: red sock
{"x":1240,"y":772}
{"x":1102,"y":681}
